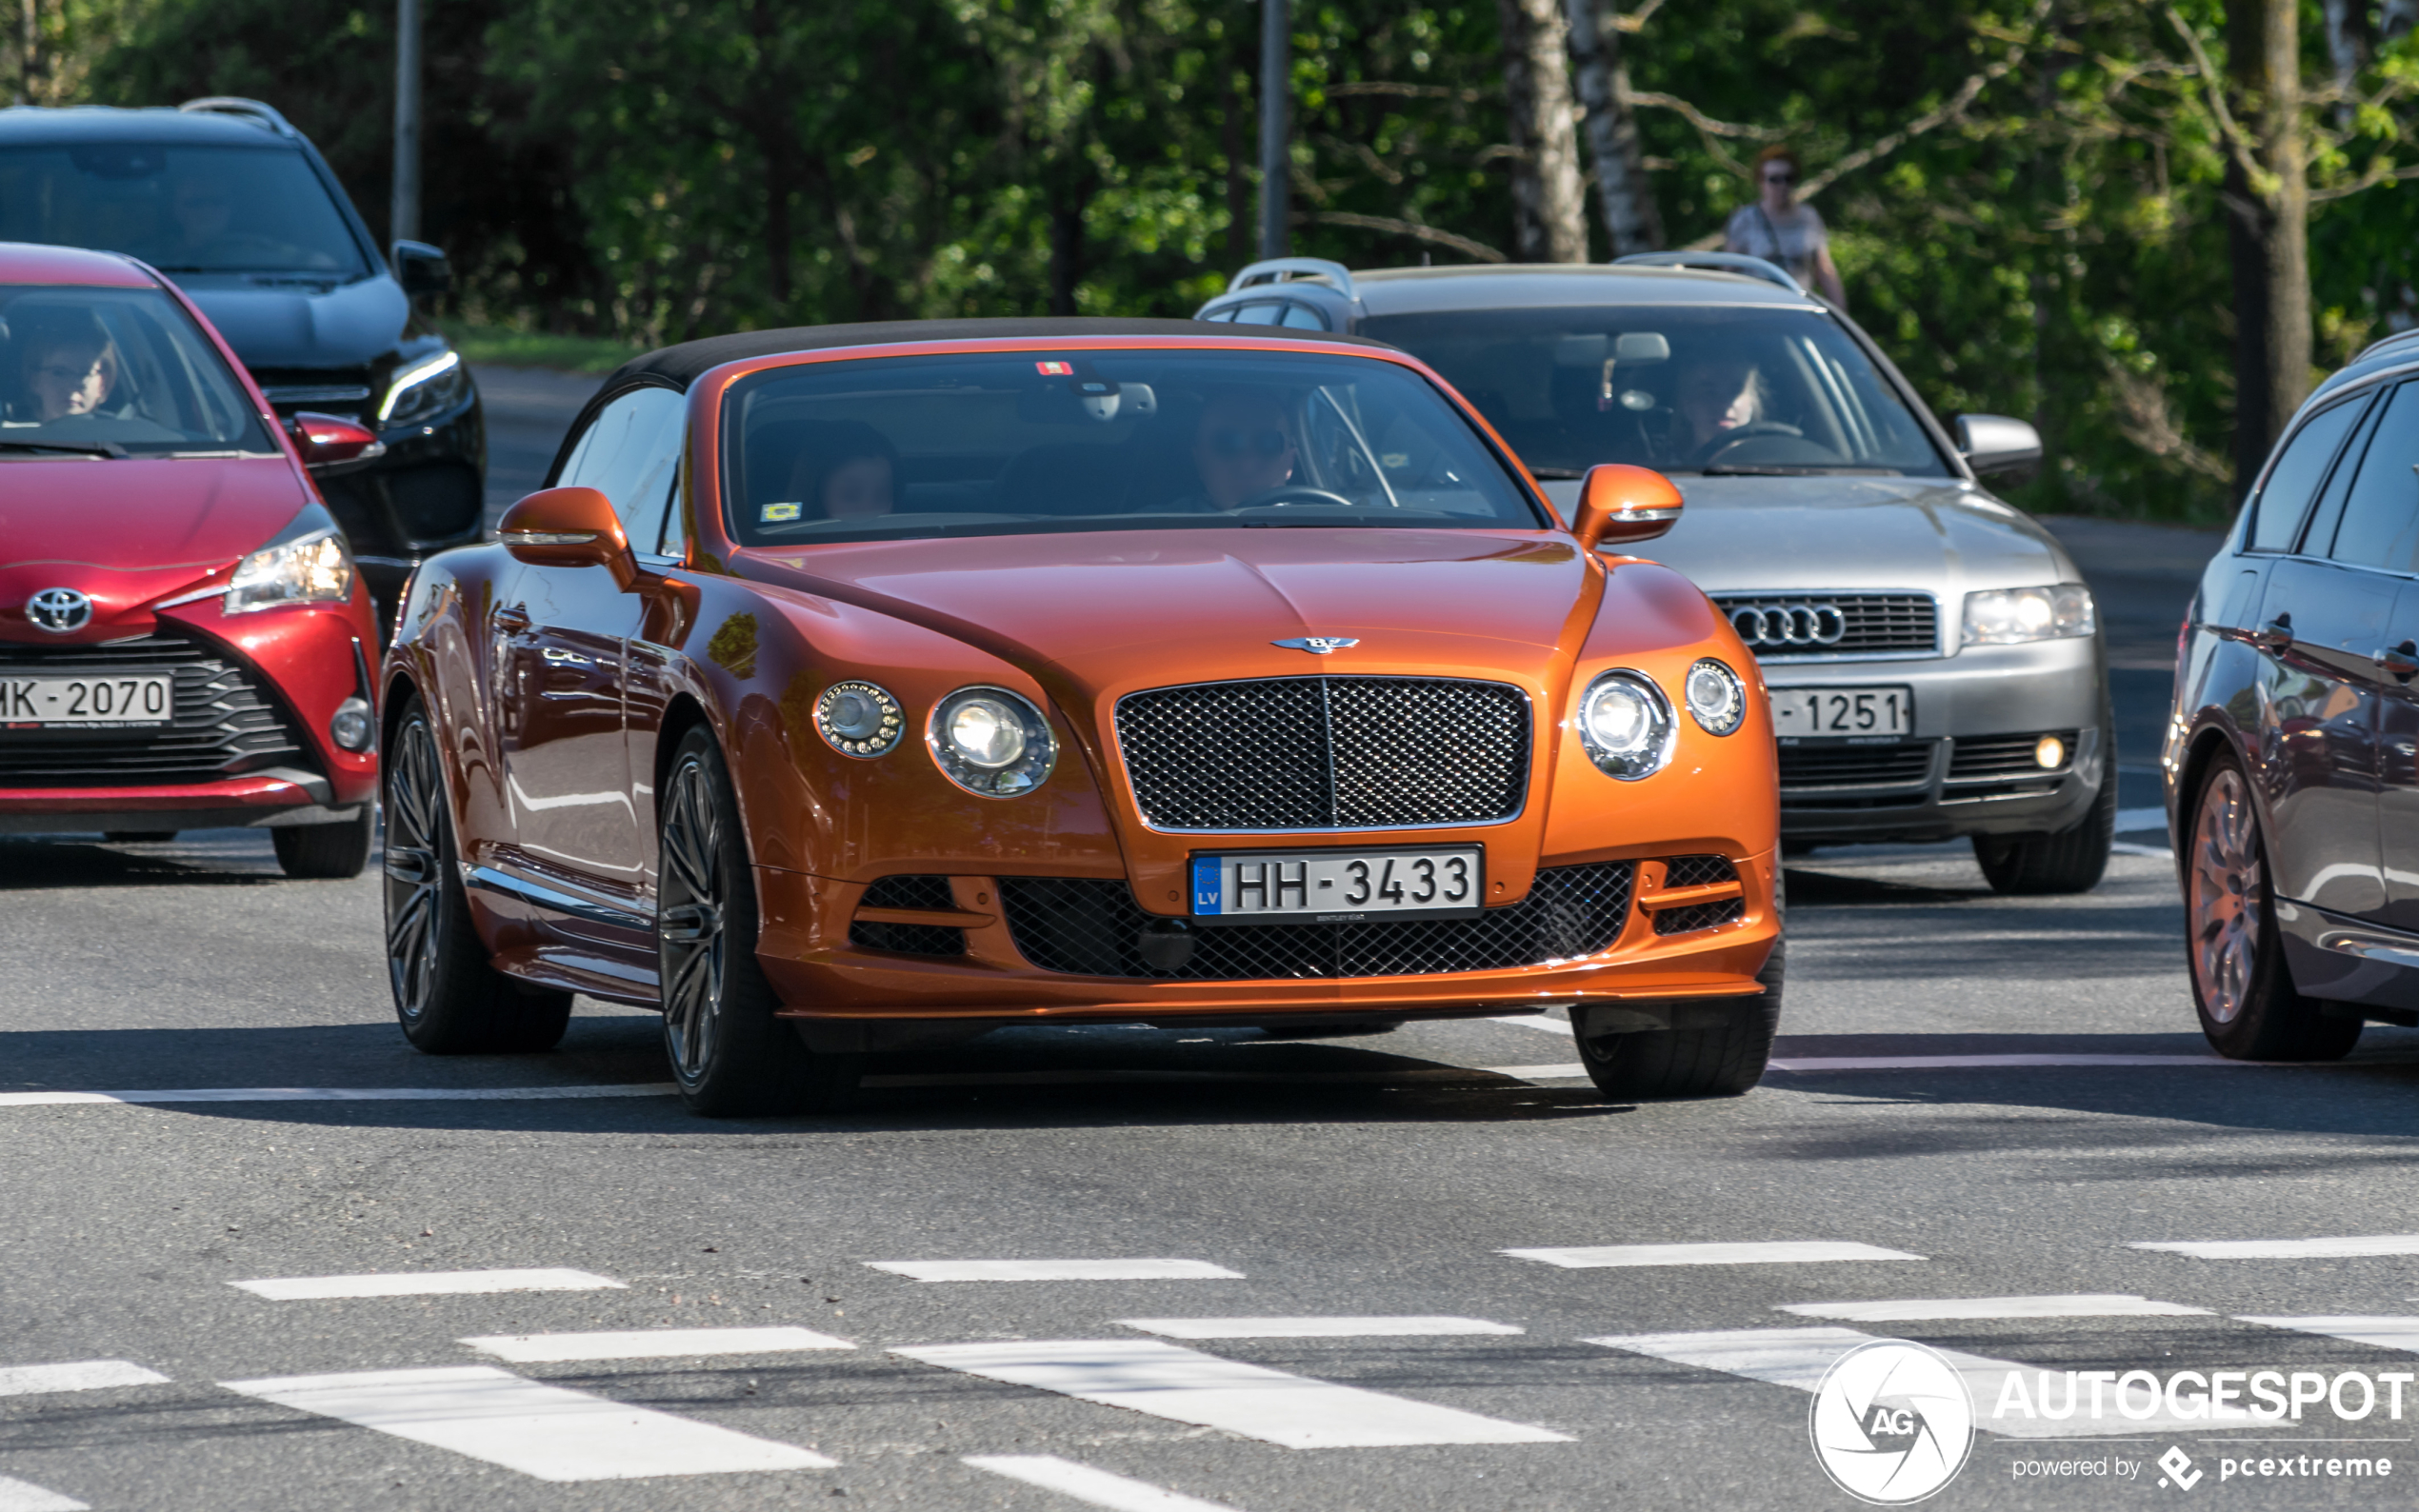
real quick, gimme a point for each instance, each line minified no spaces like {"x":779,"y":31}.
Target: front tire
{"x":1722,"y":1061}
{"x":2063,"y":861}
{"x":449,"y":999}
{"x":323,"y":851}
{"x":730,"y":1056}
{"x":2241,"y":987}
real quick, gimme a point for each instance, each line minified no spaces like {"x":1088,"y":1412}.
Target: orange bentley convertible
{"x":855,"y":687}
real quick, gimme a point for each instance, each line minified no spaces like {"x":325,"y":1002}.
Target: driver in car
{"x":1243,"y":446}
{"x":70,"y":367}
{"x":1716,"y":401}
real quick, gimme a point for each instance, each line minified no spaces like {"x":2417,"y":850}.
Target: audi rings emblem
{"x":62,"y":611}
{"x":1798,"y":625}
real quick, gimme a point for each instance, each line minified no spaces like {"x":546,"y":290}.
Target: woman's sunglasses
{"x":1235,"y":442}
{"x":1780,"y":177}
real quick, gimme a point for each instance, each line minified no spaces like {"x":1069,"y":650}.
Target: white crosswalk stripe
{"x":336,"y":1094}
{"x":1099,"y":1487}
{"x":2347,"y":1248}
{"x":1057,"y":1269}
{"x":1560,"y":1070}
{"x":24,"y":1496}
{"x":543,"y":1431}
{"x":79,"y":1375}
{"x":1313,"y":1328}
{"x":653,"y":1344}
{"x":2098,"y":1304}
{"x":1783,"y":1252}
{"x":424,"y":1284}
{"x":2384,"y":1332}
{"x":1168,"y":1381}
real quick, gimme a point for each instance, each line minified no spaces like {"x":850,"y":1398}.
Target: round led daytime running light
{"x":1717,"y":700}
{"x":859,"y":719}
{"x":992,"y":741}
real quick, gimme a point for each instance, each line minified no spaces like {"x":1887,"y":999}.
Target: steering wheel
{"x":1285,"y":493}
{"x":1729,"y":441}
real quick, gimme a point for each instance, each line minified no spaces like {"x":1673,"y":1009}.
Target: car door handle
{"x":2400,"y":661}
{"x":510,"y":617}
{"x":2276,"y":634}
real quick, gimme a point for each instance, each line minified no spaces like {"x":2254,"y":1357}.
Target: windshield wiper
{"x":1556,"y":474}
{"x":1775,"y":470}
{"x":97,"y":448}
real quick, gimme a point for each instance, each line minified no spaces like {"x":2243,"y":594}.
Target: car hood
{"x":1816,"y":534}
{"x":128,"y":531}
{"x":302,"y":324}
{"x":1138,"y":608}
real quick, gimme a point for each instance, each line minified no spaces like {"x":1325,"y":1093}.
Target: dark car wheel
{"x":451,"y":999}
{"x":139,"y":837}
{"x":1721,"y":1060}
{"x":2249,"y":1007}
{"x":336,"y":850}
{"x":2069,"y":859}
{"x":732,"y":1058}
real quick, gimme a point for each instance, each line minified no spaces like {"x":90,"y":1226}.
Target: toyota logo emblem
{"x":62,"y":611}
{"x":1799,"y":625}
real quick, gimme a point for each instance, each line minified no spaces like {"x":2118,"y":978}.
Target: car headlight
{"x":313,"y":568}
{"x":859,"y":719}
{"x":2013,"y":616}
{"x":424,"y":387}
{"x":1716,"y":698}
{"x":1625,"y":722}
{"x":990,"y":741}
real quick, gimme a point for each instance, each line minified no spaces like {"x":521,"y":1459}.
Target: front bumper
{"x":256,"y":799}
{"x":1952,"y":777}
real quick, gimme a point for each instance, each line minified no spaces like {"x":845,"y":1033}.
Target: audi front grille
{"x":1325,"y":753}
{"x":226,"y":721}
{"x":1776,"y":626}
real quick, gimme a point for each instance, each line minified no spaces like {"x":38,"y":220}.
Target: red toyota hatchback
{"x":185,"y":643}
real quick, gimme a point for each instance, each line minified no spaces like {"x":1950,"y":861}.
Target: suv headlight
{"x":424,"y":387}
{"x":990,"y":741}
{"x":2013,"y":616}
{"x":1625,"y":722}
{"x":312,"y":568}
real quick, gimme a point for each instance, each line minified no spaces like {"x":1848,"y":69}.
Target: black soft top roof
{"x":683,"y":364}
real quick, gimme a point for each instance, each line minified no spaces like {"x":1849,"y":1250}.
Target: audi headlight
{"x":1717,"y":700}
{"x":990,"y":741}
{"x":425,"y":388}
{"x":1625,"y":722}
{"x":2013,"y":616}
{"x":313,"y":568}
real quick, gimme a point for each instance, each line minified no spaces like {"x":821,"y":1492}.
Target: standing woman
{"x":1779,"y":230}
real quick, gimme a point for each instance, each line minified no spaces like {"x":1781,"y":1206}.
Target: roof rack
{"x":252,"y":111}
{"x":1715,"y":263}
{"x":1275,"y":269}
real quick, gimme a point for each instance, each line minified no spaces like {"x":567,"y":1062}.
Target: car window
{"x":1003,"y":443}
{"x":2380,"y":526}
{"x":183,"y":209}
{"x":116,"y":370}
{"x":1301,"y":317}
{"x":2299,"y":469}
{"x":631,"y":453}
{"x":1674,"y":387}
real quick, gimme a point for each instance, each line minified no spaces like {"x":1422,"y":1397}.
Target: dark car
{"x":237,"y":208}
{"x":2292,"y":755}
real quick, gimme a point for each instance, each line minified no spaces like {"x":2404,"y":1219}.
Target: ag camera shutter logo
{"x":1892,"y":1422}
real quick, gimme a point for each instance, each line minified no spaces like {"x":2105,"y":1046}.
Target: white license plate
{"x":87,"y":703}
{"x":1836,"y":713}
{"x":1314,"y":886}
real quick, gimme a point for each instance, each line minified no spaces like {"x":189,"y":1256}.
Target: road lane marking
{"x":1537,"y":1021}
{"x":653,"y":1344}
{"x":1083,"y":1482}
{"x":1311,"y":1327}
{"x":1539,"y":1073}
{"x":1185,"y":1385}
{"x":423,"y":1283}
{"x":24,"y":1496}
{"x":2290,"y":1249}
{"x":2095,"y":1304}
{"x":2385,"y":1333}
{"x":338,"y":1094}
{"x":78,"y":1375}
{"x":1057,"y":1269}
{"x":2130,"y":820}
{"x":1779,"y":1252}
{"x":540,"y":1430}
{"x":1799,"y":1357}
{"x":1949,"y":1062}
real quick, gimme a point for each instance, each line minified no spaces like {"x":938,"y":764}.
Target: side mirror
{"x":1995,"y":444}
{"x":421,"y":268}
{"x":1619,"y":503}
{"x":568,"y":527}
{"x":328,"y":441}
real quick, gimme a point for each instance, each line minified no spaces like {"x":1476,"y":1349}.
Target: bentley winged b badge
{"x":1318,"y":645}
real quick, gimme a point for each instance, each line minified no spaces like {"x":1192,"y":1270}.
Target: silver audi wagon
{"x":1935,"y":662}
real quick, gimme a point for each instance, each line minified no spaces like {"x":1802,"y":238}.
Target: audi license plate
{"x":1843,"y":714}
{"x":1338,"y":887}
{"x":87,"y":703}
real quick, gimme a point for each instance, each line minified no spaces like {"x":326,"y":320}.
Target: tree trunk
{"x":1548,"y":205}
{"x":1623,"y":190}
{"x":2270,"y":228}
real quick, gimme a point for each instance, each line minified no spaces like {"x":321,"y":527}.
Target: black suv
{"x":229,"y":201}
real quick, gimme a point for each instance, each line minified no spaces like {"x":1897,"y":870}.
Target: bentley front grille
{"x":1092,"y":927}
{"x":224,"y":719}
{"x":1325,"y":753}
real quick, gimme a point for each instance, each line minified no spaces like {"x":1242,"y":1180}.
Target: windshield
{"x":117,"y":371}
{"x":1014,"y":442}
{"x":1675,"y":388}
{"x":183,"y":209}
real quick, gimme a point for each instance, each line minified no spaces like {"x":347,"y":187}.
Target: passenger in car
{"x":1243,"y":445}
{"x":69,"y":365}
{"x":846,"y":471}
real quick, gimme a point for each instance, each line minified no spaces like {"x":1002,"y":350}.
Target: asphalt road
{"x":1358,"y":1182}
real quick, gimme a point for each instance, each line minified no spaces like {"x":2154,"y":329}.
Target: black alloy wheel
{"x":451,"y":999}
{"x":732,"y":1057}
{"x":2241,"y":986}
